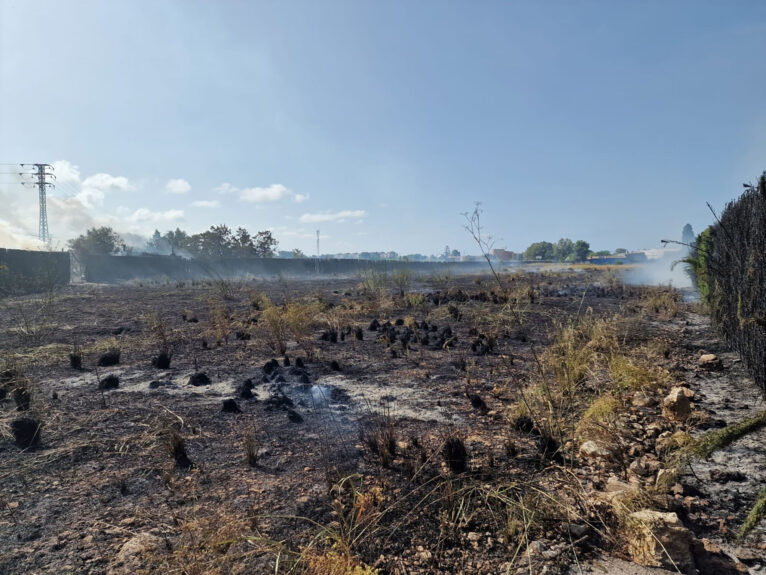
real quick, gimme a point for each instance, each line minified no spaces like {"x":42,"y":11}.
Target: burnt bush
{"x":730,"y":269}
{"x":230,"y":406}
{"x":109,"y":382}
{"x":294,"y":416}
{"x":245,"y":389}
{"x":109,"y":358}
{"x":26,"y":432}
{"x":199,"y":379}
{"x":162,"y":361}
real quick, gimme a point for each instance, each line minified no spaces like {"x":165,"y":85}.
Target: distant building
{"x":618,"y":259}
{"x":504,"y":255}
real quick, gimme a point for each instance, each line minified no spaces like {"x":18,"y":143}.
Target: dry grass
{"x":630,"y":375}
{"x":663,"y":301}
{"x":334,"y":563}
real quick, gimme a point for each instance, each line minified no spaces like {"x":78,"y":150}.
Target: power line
{"x":43,"y":172}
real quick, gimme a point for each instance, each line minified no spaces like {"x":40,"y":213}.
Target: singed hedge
{"x":730,"y":265}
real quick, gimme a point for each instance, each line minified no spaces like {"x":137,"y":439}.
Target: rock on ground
{"x":657,"y":539}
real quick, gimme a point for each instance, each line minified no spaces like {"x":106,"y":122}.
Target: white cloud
{"x":272,"y":193}
{"x":177,"y":186}
{"x":107,"y":182}
{"x":206,"y":203}
{"x":332,"y":216}
{"x":262,"y":195}
{"x":66,"y":172}
{"x":226,"y":188}
{"x":302,"y":233}
{"x":93,"y":188}
{"x":146,"y":215}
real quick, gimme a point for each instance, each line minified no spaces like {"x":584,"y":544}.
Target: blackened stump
{"x":178,"y":451}
{"x":334,"y":365}
{"x":299,"y":362}
{"x":26,"y":432}
{"x":455,"y":454}
{"x":75,"y":361}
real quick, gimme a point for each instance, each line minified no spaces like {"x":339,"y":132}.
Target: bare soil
{"x":295,"y":473}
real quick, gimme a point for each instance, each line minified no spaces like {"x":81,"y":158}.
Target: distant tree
{"x":455,"y":254}
{"x":156,"y":242}
{"x":620,"y":251}
{"x":581,"y":250}
{"x":539,"y":250}
{"x":178,"y":240}
{"x":563,"y":249}
{"x":103,"y":240}
{"x":217,"y":242}
{"x":242,"y":243}
{"x":265,"y":245}
{"x":602,"y":253}
{"x":298,"y":254}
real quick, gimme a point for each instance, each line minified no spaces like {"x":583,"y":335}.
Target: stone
{"x":710,"y":362}
{"x":677,"y":404}
{"x":711,"y":560}
{"x":642,"y":399}
{"x":135,"y":554}
{"x":592,"y":450}
{"x":657,"y":539}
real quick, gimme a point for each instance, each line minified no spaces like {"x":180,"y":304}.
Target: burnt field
{"x":545,"y":422}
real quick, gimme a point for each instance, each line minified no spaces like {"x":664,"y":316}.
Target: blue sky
{"x":379,"y":123}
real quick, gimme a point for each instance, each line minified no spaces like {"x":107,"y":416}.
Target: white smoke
{"x":75,"y":205}
{"x":663,"y":269}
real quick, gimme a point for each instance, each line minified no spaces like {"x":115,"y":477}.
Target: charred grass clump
{"x":177,"y":450}
{"x":378,"y":434}
{"x":109,"y":358}
{"x":160,"y":334}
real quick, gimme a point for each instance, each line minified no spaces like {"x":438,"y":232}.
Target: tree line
{"x":218,"y":242}
{"x":565,"y":250}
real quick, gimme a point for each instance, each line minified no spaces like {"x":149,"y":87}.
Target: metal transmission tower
{"x":43,"y":172}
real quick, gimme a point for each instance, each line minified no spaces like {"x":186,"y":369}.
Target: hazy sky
{"x":380,"y":122}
